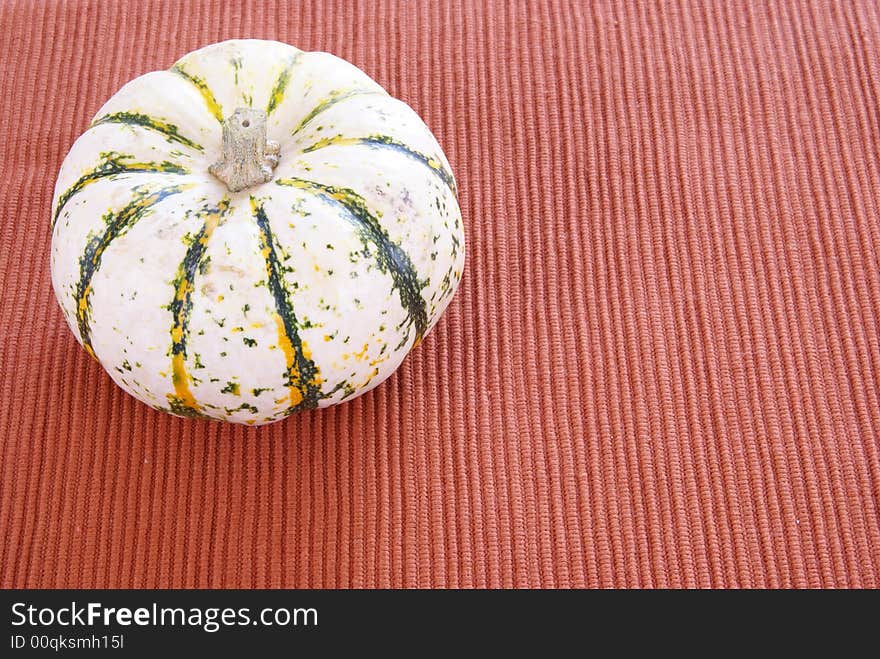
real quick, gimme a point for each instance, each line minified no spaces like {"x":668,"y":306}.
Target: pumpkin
{"x":256,"y":231}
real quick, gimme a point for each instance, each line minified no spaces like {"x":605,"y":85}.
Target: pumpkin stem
{"x":248,"y":157}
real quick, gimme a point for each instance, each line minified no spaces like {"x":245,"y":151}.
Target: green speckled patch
{"x":231,"y":388}
{"x":390,"y":257}
{"x":117,"y":224}
{"x":170,"y":131}
{"x":114,"y":164}
{"x":243,"y":407}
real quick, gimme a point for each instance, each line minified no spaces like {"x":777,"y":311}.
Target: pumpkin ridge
{"x":117,"y":224}
{"x":114,"y":165}
{"x":169,"y":130}
{"x":182,"y":402}
{"x":391,"y":258}
{"x":280,"y":87}
{"x":208,"y":96}
{"x":334,"y":97}
{"x":384,"y":141}
{"x":303,"y":376}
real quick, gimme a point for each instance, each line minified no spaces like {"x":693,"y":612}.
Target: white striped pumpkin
{"x":297,"y":292}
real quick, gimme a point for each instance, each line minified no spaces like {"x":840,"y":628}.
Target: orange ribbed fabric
{"x":661,"y":368}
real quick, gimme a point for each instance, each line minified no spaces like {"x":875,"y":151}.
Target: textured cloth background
{"x":662,"y":367}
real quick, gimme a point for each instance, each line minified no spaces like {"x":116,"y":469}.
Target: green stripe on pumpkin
{"x":117,"y":224}
{"x":390,"y":257}
{"x":303,"y":377}
{"x":182,"y":401}
{"x":385,"y":142}
{"x":114,"y":164}
{"x":280,"y":87}
{"x":236,"y":67}
{"x":211,"y":102}
{"x":332,"y":99}
{"x":170,"y":131}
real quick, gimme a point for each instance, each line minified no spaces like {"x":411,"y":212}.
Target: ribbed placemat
{"x":661,"y":368}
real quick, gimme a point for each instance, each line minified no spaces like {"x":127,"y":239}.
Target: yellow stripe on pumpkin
{"x":182,"y":399}
{"x":210,"y":101}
